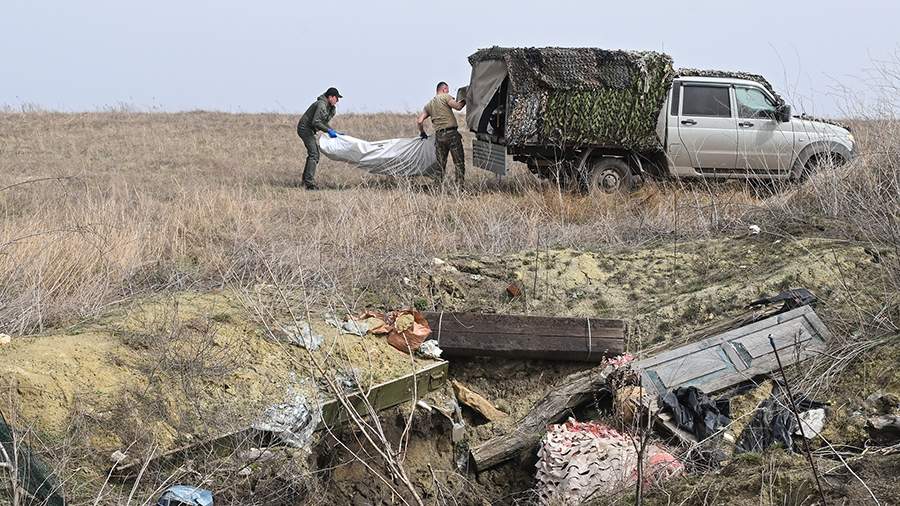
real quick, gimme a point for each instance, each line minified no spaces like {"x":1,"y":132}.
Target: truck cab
{"x":717,"y":128}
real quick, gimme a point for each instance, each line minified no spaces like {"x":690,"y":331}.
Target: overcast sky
{"x":278,"y":56}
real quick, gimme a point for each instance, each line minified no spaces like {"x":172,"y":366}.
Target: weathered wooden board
{"x":738,"y":355}
{"x":519,"y":336}
{"x":381,"y":396}
{"x":730,"y":358}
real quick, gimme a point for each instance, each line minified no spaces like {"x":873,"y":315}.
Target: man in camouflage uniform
{"x":447,"y":138}
{"x":316,"y":119}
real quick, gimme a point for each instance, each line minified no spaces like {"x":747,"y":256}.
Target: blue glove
{"x":423,"y":135}
{"x":332,"y":133}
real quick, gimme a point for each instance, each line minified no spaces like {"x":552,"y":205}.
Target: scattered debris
{"x":513,"y":291}
{"x":293,"y":422}
{"x":5,"y":339}
{"x":754,"y":229}
{"x":718,"y":362}
{"x":577,"y":461}
{"x":348,"y":379}
{"x":183,"y":495}
{"x":477,"y":402}
{"x":517,"y":336}
{"x":695,"y":412}
{"x":882,"y":403}
{"x":884,"y":429}
{"x":410,"y":329}
{"x":626,"y":402}
{"x":774,"y":423}
{"x":117,"y":457}
{"x":302,"y":335}
{"x":34,"y":476}
{"x":572,"y":391}
{"x":813,"y":422}
{"x":255,"y":455}
{"x":430,"y":349}
{"x":792,"y":299}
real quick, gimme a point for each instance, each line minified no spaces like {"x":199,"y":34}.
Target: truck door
{"x":765,"y":144}
{"x":707,"y":127}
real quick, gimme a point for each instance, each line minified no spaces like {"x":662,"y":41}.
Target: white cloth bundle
{"x":391,"y":157}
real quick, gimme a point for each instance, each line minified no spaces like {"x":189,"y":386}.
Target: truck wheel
{"x":817,"y":162}
{"x":608,"y":175}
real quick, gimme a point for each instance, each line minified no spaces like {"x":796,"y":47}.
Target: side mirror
{"x":783,"y":113}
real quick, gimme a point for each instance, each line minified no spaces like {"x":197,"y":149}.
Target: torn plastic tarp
{"x":293,"y":421}
{"x":184,"y":495}
{"x":696,"y":412}
{"x":774,"y":422}
{"x":302,"y":335}
{"x":577,"y":461}
{"x":390,"y":157}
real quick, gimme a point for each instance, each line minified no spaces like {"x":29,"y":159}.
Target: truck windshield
{"x":753,"y":103}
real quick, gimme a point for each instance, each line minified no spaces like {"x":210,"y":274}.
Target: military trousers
{"x":312,"y":154}
{"x":446,"y":142}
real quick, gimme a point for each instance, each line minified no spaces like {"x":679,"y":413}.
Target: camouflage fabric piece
{"x":583,"y":95}
{"x":450,"y":142}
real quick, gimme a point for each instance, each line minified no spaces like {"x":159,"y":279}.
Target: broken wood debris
{"x":527,"y":337}
{"x":716,"y":363}
{"x":574,"y":390}
{"x":478,"y":403}
{"x":712,"y":364}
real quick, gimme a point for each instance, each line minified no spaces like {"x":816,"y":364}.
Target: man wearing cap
{"x":315,"y":119}
{"x":447,"y":139}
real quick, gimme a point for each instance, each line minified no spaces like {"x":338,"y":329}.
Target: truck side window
{"x":753,"y":103}
{"x":706,"y":101}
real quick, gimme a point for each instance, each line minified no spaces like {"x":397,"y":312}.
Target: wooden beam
{"x":573,"y":390}
{"x":519,"y":336}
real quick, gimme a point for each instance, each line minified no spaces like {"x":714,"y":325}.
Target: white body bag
{"x":391,"y":157}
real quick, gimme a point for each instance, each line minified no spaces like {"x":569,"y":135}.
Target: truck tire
{"x":608,"y":175}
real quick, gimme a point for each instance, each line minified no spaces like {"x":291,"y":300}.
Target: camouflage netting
{"x":583,"y":95}
{"x":731,"y":75}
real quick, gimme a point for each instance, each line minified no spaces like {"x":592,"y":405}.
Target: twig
{"x":787,"y":387}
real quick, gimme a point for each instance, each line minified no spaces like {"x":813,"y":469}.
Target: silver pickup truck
{"x":706,"y":127}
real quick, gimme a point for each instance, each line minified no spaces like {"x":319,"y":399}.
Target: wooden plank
{"x":517,"y":336}
{"x":525,"y":324}
{"x":382,"y":396}
{"x":572,"y":391}
{"x":749,"y":347}
{"x":690,"y":367}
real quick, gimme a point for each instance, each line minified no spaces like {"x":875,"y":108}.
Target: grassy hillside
{"x":103,"y":213}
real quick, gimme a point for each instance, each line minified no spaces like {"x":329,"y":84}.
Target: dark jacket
{"x":317,"y":116}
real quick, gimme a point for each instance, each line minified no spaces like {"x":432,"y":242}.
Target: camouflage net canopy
{"x":732,"y":75}
{"x":583,"y":96}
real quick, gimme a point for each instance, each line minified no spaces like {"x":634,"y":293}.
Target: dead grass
{"x":128,"y":203}
{"x":99,"y":208}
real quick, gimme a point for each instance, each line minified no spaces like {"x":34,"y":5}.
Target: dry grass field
{"x":98,"y":210}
